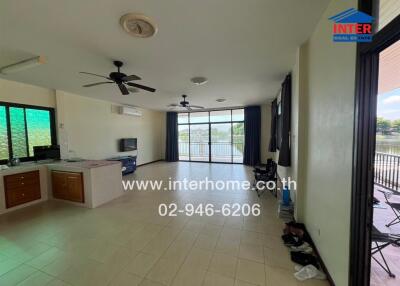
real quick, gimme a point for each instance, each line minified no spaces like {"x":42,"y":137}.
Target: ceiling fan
{"x":185,"y":104}
{"x":120,"y":79}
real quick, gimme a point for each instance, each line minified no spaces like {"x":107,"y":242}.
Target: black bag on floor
{"x":292,"y":240}
{"x":304,"y":258}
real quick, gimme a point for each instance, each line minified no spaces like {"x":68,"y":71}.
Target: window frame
{"x":53,"y":133}
{"x":209,"y":123}
{"x":364,"y":146}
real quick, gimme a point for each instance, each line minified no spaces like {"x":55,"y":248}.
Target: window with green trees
{"x":3,"y":134}
{"x":23,"y":127}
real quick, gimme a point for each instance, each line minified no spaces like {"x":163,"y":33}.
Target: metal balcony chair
{"x":394,"y":206}
{"x":265,"y":175}
{"x":381,"y":241}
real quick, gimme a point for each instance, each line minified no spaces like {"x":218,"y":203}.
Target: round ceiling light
{"x":138,"y":25}
{"x":199,"y":80}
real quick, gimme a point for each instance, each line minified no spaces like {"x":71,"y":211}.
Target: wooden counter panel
{"x":68,"y":186}
{"x":21,"y":188}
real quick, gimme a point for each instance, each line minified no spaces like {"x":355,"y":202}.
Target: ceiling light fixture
{"x":199,"y":80}
{"x":138,"y":25}
{"x":220,"y":100}
{"x":23,"y":65}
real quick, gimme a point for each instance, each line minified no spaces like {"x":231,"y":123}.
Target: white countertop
{"x":89,"y":164}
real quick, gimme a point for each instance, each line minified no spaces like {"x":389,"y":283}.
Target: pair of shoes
{"x":305,"y":247}
{"x":294,"y":228}
{"x":304,"y":258}
{"x":308,"y":272}
{"x":291,"y":240}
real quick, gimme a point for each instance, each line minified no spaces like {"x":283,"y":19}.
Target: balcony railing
{"x":387,"y":168}
{"x":220,"y":151}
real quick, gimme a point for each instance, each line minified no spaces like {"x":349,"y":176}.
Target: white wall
{"x":16,"y":92}
{"x":294,"y":124}
{"x":325,"y":111}
{"x":90,"y":128}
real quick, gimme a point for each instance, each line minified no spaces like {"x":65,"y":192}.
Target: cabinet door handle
{"x":22,"y":177}
{"x":23,"y":194}
{"x":22,"y":183}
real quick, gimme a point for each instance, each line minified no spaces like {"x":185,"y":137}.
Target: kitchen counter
{"x":21,"y":168}
{"x":85,"y":164}
{"x":28,"y":167}
{"x":102,"y":180}
{"x":89,"y":164}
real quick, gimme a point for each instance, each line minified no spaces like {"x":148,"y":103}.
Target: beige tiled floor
{"x":126,"y":242}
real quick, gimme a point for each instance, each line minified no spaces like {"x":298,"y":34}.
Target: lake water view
{"x":389,"y":144}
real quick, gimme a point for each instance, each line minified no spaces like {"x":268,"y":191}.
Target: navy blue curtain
{"x":171,"y":150}
{"x":286,"y":105}
{"x":252,"y":135}
{"x":274,"y":123}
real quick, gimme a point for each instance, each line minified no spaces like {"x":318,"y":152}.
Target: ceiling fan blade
{"x":196,"y":106}
{"x":123,"y":89}
{"x":133,"y":90}
{"x":172,"y":107}
{"x":97,"y":83}
{"x":188,"y":108}
{"x":95,"y":75}
{"x":141,"y":86}
{"x":131,"y":77}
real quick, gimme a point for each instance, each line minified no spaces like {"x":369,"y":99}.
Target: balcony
{"x":386,"y":173}
{"x":224,"y":152}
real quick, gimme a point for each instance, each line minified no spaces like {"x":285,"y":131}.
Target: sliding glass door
{"x":183,"y":142}
{"x":199,"y":146}
{"x":221,"y":142}
{"x":238,"y":142}
{"x":211,"y":136}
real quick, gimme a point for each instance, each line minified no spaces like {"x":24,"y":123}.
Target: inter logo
{"x":352,"y":26}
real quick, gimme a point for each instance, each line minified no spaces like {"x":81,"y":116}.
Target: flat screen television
{"x":127,"y":144}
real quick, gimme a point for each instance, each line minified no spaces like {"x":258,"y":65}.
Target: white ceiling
{"x":244,"y":47}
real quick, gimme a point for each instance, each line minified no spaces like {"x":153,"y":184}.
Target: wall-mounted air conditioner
{"x":129,"y":110}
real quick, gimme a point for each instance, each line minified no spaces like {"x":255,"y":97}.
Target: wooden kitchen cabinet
{"x":21,"y":188}
{"x":68,"y":186}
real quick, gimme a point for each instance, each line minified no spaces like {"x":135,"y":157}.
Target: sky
{"x":389,"y":105}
